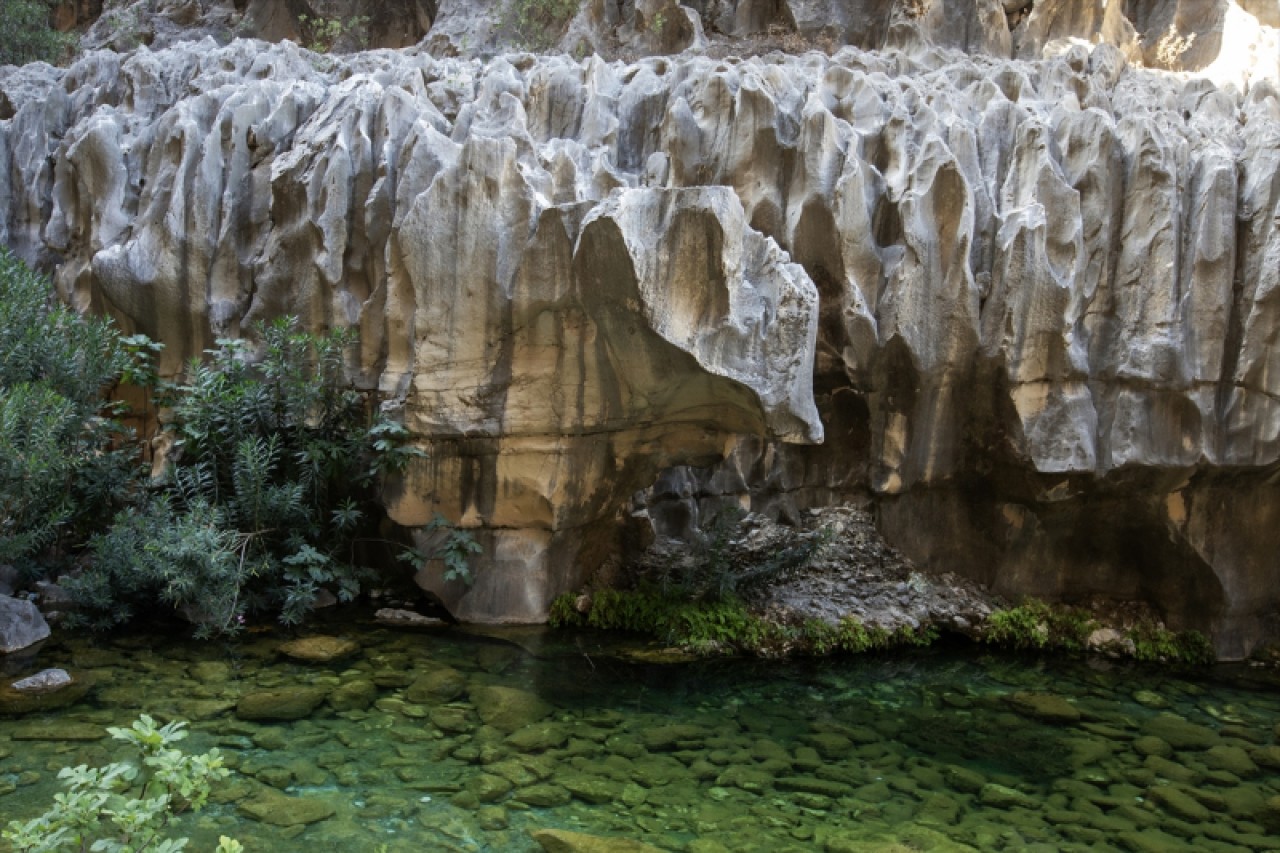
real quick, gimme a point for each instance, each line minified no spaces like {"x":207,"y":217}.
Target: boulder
{"x":538,"y":737}
{"x":1180,"y":733}
{"x":437,"y":686}
{"x":508,"y":708}
{"x":271,"y":807}
{"x":397,"y":618}
{"x":44,"y":681}
{"x":564,"y":841}
{"x":1269,"y":814}
{"x":21,"y":624}
{"x":319,"y":649}
{"x":543,"y":796}
{"x":354,"y":695}
{"x":1179,"y":803}
{"x":43,"y":691}
{"x":1003,"y":797}
{"x":280,"y":703}
{"x":58,"y":731}
{"x":1045,"y":707}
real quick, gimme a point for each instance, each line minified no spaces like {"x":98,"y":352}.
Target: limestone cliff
{"x":1025,"y":308}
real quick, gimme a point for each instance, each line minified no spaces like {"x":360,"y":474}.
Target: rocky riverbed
{"x":452,"y":741}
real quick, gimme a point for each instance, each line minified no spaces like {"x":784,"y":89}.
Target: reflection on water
{"x":462,"y":742}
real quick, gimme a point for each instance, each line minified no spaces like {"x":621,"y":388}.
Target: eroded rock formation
{"x":1231,"y":40}
{"x":1025,"y":308}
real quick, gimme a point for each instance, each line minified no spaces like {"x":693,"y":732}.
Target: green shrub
{"x":1037,"y":625}
{"x":66,"y":463}
{"x":706,"y":626}
{"x":1155,"y":644}
{"x":126,"y":807}
{"x":28,"y":37}
{"x":271,"y":488}
{"x":717,"y":627}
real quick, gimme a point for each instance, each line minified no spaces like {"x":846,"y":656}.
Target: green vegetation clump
{"x":1037,"y":625}
{"x":64,"y":460}
{"x":1156,"y":644}
{"x":850,"y":636}
{"x":126,"y":807}
{"x":270,"y":491}
{"x":27,"y":35}
{"x":725,"y":626}
{"x":721,"y":625}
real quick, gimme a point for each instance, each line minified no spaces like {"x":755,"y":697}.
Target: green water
{"x":930,"y":750}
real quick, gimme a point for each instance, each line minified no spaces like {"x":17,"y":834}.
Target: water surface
{"x":943,"y":749}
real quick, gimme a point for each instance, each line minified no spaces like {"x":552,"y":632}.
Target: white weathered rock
{"x":1034,"y":297}
{"x":398,"y":618}
{"x":43,"y":681}
{"x":21,"y":624}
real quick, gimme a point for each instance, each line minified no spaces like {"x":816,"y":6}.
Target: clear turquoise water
{"x":927,"y":750}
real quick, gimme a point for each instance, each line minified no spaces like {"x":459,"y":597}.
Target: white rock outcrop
{"x":1028,"y":305}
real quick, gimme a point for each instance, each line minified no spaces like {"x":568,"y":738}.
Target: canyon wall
{"x":1024,"y":309}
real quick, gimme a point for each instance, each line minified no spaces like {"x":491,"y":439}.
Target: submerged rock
{"x":437,"y":686}
{"x":319,"y":649}
{"x":397,"y":618}
{"x":1179,"y":803}
{"x":1003,"y":797}
{"x":44,"y":691}
{"x":354,"y":695}
{"x":58,"y":731}
{"x":1045,"y":707}
{"x":508,"y":708}
{"x":1180,"y":733}
{"x":281,"y":703}
{"x":564,"y":841}
{"x":43,"y":681}
{"x":276,"y":809}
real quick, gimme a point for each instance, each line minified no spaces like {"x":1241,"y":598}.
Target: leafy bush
{"x":125,"y":807}
{"x":1037,"y":625}
{"x":270,"y":489}
{"x":64,"y":460}
{"x":723,"y":626}
{"x":850,"y":636}
{"x":1156,"y":644}
{"x":28,"y":36}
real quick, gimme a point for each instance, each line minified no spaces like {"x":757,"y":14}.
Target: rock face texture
{"x":1229,"y":39}
{"x":1026,"y":309}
